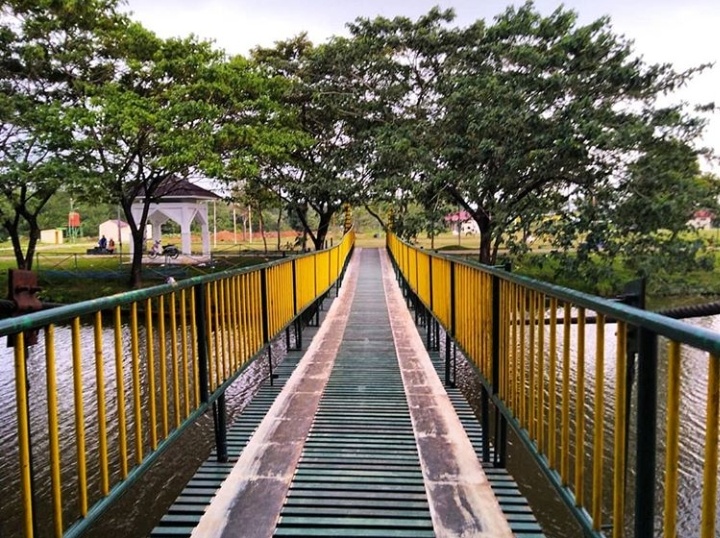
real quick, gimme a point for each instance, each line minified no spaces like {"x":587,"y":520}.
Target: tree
{"x":329,"y":167}
{"x":641,"y":220}
{"x":154,"y":121}
{"x":538,"y":111}
{"x":397,"y":64}
{"x":46,"y":48}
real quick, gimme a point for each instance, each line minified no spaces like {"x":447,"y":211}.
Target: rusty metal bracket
{"x":22,"y":291}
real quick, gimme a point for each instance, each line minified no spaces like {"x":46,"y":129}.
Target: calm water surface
{"x":140,"y":509}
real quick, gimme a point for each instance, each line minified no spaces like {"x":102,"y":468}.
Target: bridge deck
{"x":363,"y":440}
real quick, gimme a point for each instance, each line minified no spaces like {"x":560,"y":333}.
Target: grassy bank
{"x":68,"y":274}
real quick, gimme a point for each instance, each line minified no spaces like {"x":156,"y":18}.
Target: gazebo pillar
{"x":205,"y":238}
{"x":185,"y":236}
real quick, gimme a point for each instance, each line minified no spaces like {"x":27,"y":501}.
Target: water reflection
{"x":551,"y":513}
{"x":160,"y":486}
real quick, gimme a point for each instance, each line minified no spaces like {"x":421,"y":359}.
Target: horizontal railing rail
{"x":565,"y":386}
{"x":112,"y":382}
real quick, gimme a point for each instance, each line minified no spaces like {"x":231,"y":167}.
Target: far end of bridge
{"x":362,"y":440}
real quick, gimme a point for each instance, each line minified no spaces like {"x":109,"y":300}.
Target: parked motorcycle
{"x":169,"y":251}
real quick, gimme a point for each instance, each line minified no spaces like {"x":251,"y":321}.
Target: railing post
{"x":298,"y":324}
{"x":315,"y":287}
{"x":219,"y":414}
{"x":202,"y":349}
{"x":450,"y":333}
{"x":219,"y":409}
{"x":646,"y":434}
{"x":430,"y":310}
{"x":501,"y":422}
{"x":266,"y":320}
{"x":341,"y":271}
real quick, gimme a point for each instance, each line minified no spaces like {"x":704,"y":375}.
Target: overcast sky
{"x":683,"y":32}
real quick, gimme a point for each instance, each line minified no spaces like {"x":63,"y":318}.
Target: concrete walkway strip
{"x":251,"y":498}
{"x":461,"y":500}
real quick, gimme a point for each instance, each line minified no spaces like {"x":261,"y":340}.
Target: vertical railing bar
{"x":565,"y":410}
{"x":619,"y":430}
{"x":101,"y":414}
{"x":552,"y":387}
{"x":137,"y":408}
{"x":174,"y":357}
{"x":533,"y":355}
{"x":25,"y":453}
{"x":579,"y":412}
{"x":710,"y":479}
{"x":646,"y":433}
{"x":672,"y":442}
{"x":53,"y":431}
{"x":162,"y":359}
{"x":201,"y":339}
{"x":598,"y":425}
{"x":120,"y":381}
{"x":149,"y":337}
{"x":79,"y":417}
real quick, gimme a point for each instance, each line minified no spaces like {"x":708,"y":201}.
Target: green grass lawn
{"x":68,"y":274}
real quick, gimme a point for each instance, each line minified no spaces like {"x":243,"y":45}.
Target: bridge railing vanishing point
{"x":563,"y":380}
{"x":148,"y":362}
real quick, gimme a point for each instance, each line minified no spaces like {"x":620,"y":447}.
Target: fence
{"x":150,"y":362}
{"x":557,"y":374}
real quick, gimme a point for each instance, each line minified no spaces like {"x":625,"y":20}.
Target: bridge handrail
{"x":198,"y":335}
{"x":507,"y":326}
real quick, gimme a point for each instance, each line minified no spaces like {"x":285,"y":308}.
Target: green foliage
{"x":536,"y":125}
{"x":46,"y":48}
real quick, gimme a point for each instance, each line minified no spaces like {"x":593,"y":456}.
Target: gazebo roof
{"x":176,"y":188}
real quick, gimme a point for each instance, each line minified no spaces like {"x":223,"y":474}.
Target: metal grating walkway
{"x":367,"y":462}
{"x":185,"y":513}
{"x":359,"y":474}
{"x":512,"y":502}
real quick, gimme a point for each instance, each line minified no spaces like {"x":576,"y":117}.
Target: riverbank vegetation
{"x":546,"y":134}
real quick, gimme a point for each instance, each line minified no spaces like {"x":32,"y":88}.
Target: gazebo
{"x":183,"y":202}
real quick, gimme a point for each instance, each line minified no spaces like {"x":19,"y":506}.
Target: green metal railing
{"x":143,"y":366}
{"x":559,"y":366}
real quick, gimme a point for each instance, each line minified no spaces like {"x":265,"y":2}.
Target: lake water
{"x":137,"y":513}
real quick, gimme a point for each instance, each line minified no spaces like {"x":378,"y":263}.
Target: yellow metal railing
{"x":125,"y":375}
{"x":558,"y":367}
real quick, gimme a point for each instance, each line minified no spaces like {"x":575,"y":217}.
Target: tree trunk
{"x":376,"y":217}
{"x":12,"y":228}
{"x":323,"y":227}
{"x":485,"y":227}
{"x":496,"y":247}
{"x":136,"y":265}
{"x":32,"y":242}
{"x":261,"y":221}
{"x":279,"y":220}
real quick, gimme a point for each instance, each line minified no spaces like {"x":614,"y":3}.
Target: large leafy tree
{"x":170,"y":110}
{"x":46,"y":48}
{"x":521,"y":122}
{"x":396,"y":65}
{"x":539,"y":112}
{"x":330,"y":166}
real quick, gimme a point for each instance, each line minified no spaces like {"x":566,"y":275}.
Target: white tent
{"x":117,"y":230}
